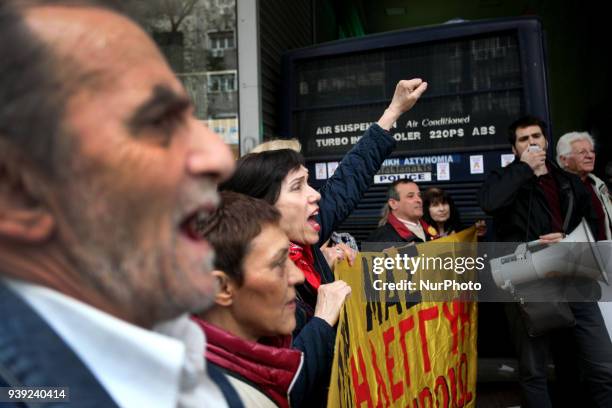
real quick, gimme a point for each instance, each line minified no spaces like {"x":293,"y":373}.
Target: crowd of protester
{"x":309,"y":217}
{"x":113,"y":199}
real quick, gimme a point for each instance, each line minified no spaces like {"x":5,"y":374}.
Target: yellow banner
{"x":397,"y":352}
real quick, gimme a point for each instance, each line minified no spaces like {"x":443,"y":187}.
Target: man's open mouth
{"x":195,"y":224}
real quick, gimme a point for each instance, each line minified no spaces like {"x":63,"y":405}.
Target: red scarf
{"x":404,"y":232}
{"x":303,"y":258}
{"x":272,"y":368}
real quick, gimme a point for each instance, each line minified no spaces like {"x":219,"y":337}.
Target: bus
{"x":482,"y":76}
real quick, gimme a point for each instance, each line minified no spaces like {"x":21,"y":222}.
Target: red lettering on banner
{"x":459,"y":314}
{"x":466,"y":395}
{"x":441,"y":385}
{"x":425,"y":315}
{"x":382,"y":390}
{"x":464,"y":317}
{"x":424,"y":395}
{"x":453,"y":382}
{"x":453,"y":320}
{"x":362,"y":390}
{"x":397,"y":389}
{"x":405,"y":325}
{"x":441,"y":397}
{"x":449,"y":391}
{"x":460,"y":394}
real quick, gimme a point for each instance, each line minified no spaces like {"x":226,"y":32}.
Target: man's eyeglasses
{"x":584,"y":152}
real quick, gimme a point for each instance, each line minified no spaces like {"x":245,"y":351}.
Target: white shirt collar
{"x":408,"y":223}
{"x":137,"y":367}
{"x":415,"y":227}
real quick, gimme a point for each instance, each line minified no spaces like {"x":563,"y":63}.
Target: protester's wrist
{"x":330,"y":319}
{"x":388,"y":118}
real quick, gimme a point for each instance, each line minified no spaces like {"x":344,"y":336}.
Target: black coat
{"x":521,"y":214}
{"x":519,"y":207}
{"x":387,"y":234}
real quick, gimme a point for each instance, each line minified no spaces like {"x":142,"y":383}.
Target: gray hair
{"x":564,"y":144}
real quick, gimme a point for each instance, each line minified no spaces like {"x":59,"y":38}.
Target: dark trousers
{"x":586,"y":346}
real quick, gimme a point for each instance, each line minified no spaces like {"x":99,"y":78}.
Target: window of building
{"x":221,"y":40}
{"x":224,"y":81}
{"x":198,"y":38}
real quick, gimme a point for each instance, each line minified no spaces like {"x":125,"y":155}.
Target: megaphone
{"x":577,"y":255}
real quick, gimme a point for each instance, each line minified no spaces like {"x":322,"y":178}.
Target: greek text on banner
{"x":401,"y":353}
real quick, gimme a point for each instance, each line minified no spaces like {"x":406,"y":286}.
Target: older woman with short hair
{"x":249,"y":327}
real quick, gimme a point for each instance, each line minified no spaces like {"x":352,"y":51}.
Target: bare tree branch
{"x":174,"y":11}
{"x":186,"y":9}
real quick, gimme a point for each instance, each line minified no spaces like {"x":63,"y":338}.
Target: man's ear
{"x":227,"y":288}
{"x":392,"y":203}
{"x":23,"y":217}
{"x":514,"y":151}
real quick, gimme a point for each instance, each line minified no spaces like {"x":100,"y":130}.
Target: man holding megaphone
{"x":533,"y":199}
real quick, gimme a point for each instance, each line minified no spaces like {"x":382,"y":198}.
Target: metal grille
{"x":476,"y":89}
{"x":476,"y":64}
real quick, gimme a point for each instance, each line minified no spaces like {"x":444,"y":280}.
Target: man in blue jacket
{"x":105,"y":179}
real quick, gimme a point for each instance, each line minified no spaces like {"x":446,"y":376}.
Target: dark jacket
{"x":521,"y":214}
{"x":339,"y":197}
{"x":33,"y":355}
{"x":388,"y":234}
{"x":518,"y":205}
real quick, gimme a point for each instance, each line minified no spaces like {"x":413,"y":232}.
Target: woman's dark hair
{"x":260,"y":175}
{"x":435,"y":196}
{"x":233,"y":226}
